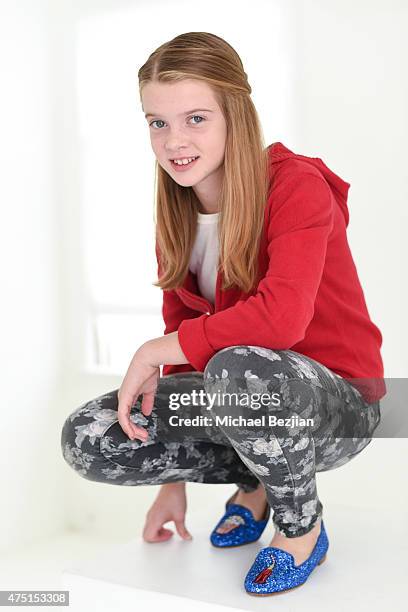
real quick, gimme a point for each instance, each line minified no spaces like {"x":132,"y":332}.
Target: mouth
{"x":183,"y":165}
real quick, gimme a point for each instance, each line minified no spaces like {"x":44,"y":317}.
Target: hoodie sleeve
{"x":278,"y":314}
{"x":174,"y":311}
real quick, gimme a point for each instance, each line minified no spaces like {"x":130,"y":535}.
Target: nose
{"x":176,"y":143}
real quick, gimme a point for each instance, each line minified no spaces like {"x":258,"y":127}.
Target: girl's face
{"x":186,"y":121}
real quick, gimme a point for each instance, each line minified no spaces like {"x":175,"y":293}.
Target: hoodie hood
{"x":278,"y":152}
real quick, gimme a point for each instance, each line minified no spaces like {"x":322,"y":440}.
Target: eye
{"x":197,"y":116}
{"x":192,"y":117}
{"x":156,"y":121}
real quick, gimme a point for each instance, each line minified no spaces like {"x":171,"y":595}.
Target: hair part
{"x":245,"y":187}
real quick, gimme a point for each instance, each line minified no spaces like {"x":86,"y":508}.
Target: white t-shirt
{"x":204,"y":256}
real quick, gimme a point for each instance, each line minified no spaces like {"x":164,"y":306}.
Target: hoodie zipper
{"x":197,"y":302}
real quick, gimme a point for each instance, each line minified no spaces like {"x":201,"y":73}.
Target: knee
{"x":70,"y":439}
{"x":70,"y":450}
{"x":231,"y":357}
{"x":82,"y":430}
{"x":218,"y":370}
{"x":260,"y":370}
{"x":68,"y":431}
{"x":74,"y":424}
{"x":223,"y":358}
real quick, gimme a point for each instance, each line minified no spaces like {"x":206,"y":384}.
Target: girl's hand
{"x":141,"y":377}
{"x":170,"y":505}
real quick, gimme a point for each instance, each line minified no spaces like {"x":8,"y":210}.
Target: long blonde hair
{"x":245,"y":187}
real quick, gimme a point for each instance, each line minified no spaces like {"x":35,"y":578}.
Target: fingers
{"x":126,"y":398}
{"x":149,"y":394}
{"x":124,"y":407}
{"x":139,"y":433}
{"x":152,"y":534}
{"x":182,"y":530}
{"x":148,"y":402}
{"x":156,"y":518}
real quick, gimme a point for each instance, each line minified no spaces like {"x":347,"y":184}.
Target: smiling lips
{"x":182,"y":165}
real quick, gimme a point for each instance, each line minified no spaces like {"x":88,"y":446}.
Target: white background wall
{"x":339,"y":94}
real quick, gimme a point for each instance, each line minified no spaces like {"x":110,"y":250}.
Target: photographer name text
{"x":239,"y":421}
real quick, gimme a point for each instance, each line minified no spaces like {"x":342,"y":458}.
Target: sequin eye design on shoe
{"x":263,"y":576}
{"x":233,"y":521}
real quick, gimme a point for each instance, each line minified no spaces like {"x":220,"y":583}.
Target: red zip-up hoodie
{"x":309,"y":300}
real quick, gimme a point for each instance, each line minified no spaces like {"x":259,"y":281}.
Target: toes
{"x":223,"y":529}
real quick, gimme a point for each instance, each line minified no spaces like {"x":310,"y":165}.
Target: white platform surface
{"x":366,"y":569}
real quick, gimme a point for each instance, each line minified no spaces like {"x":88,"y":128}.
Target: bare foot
{"x":255,"y":501}
{"x":299,"y":547}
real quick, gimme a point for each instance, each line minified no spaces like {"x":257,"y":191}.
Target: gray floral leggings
{"x":232,"y":441}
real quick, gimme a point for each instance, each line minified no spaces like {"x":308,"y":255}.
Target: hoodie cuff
{"x":194,"y":343}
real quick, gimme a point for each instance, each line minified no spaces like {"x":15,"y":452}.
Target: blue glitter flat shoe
{"x":274,"y":569}
{"x":245,"y":528}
